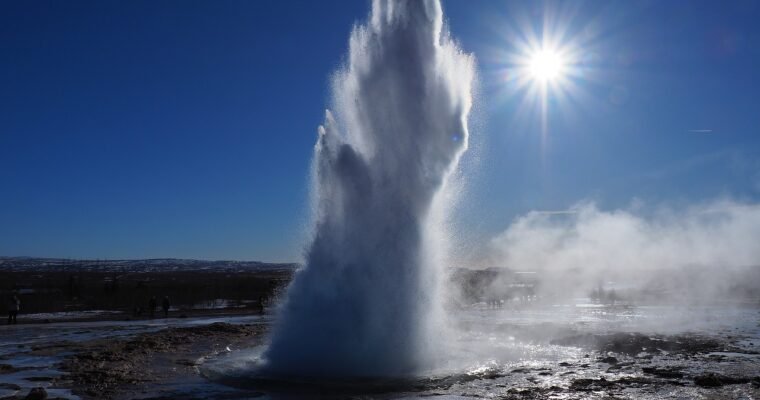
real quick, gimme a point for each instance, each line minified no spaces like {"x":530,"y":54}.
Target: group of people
{"x":165,"y":305}
{"x":153,"y":304}
{"x":14,"y":306}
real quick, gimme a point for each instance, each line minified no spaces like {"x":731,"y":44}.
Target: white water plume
{"x":367,"y":302}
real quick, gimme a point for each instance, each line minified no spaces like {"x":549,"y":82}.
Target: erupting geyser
{"x":367,"y":301}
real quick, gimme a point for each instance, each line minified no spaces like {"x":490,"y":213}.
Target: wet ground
{"x":112,"y":359}
{"x":573,"y":351}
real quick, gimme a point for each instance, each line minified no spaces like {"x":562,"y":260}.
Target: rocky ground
{"x":608,"y":366}
{"x":108,"y":368}
{"x":105,"y":369}
{"x":617,"y":366}
{"x":166,"y":364}
{"x":631,"y":365}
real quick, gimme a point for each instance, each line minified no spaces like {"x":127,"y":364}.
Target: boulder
{"x":38,"y":393}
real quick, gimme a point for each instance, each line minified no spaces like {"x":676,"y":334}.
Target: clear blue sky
{"x":184,"y":129}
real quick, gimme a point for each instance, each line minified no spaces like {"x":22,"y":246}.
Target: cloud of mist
{"x":703,"y":251}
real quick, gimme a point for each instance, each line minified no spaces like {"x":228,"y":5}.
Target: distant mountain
{"x":144,"y":265}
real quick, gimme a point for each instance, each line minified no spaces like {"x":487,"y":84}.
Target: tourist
{"x":14,"y":305}
{"x":166,"y":305}
{"x":152,"y":304}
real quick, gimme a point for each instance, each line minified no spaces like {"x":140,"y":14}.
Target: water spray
{"x":368,"y":300}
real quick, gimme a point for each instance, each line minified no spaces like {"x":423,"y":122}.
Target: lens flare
{"x":546,"y":65}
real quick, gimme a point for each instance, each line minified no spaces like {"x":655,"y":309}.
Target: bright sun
{"x":546,"y":65}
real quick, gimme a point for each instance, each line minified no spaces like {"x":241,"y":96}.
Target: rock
{"x":590,"y":384}
{"x":609,"y":360}
{"x":39,"y":379}
{"x":10,"y":386}
{"x":620,"y":366}
{"x":634,"y":380}
{"x":580,"y":384}
{"x":674,"y":373}
{"x":708,"y":380}
{"x":7,"y":369}
{"x":717,"y":380}
{"x":37,"y":393}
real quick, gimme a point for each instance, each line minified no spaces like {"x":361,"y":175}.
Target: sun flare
{"x":546,"y":65}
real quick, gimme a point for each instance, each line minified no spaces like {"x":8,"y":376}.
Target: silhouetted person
{"x":73,"y":287}
{"x":166,"y":305}
{"x":14,"y":305}
{"x":261,"y":304}
{"x":152,"y":304}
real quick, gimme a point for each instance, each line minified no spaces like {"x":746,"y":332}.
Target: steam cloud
{"x":701,"y":251}
{"x":367,"y":301}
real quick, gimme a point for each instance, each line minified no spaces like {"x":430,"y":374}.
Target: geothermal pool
{"x":573,"y":350}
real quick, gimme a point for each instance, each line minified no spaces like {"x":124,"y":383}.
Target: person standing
{"x":152,"y":306}
{"x":14,"y":305}
{"x":261,"y":304}
{"x":166,"y":305}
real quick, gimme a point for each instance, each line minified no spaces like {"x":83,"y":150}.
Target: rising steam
{"x":366,"y":302}
{"x":697,"y":252}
